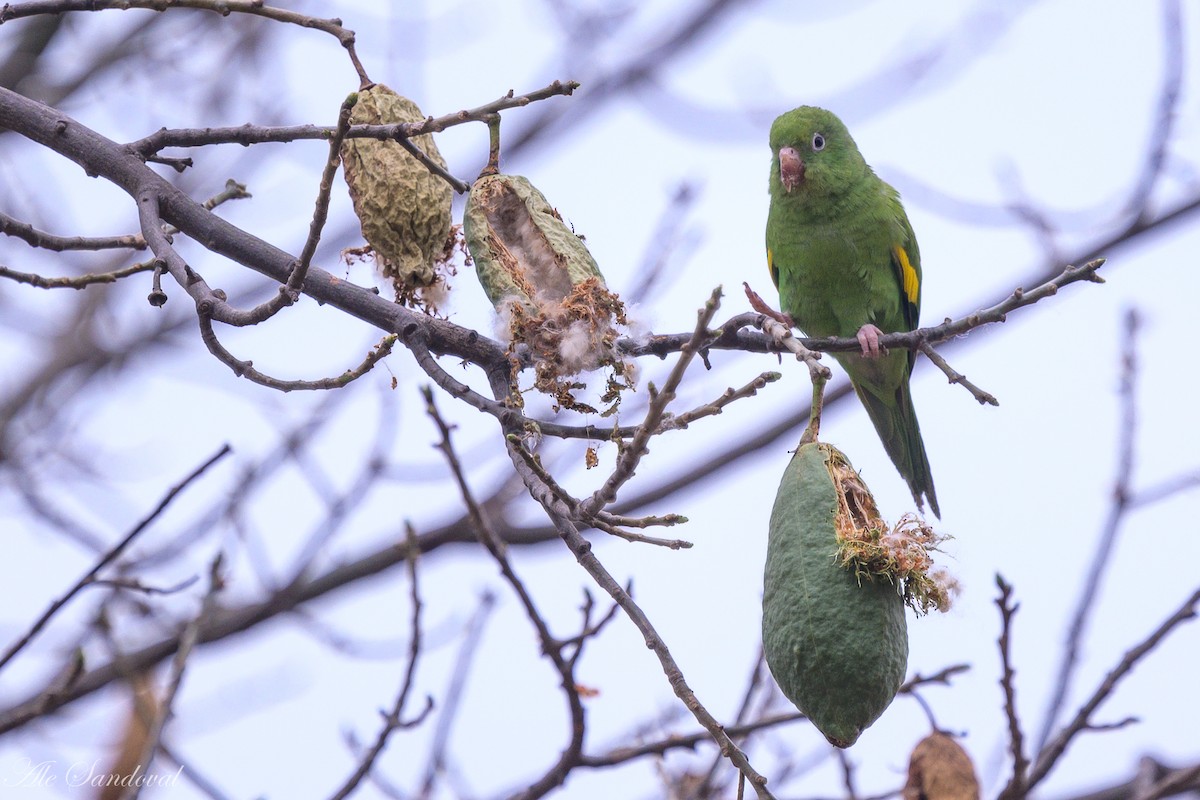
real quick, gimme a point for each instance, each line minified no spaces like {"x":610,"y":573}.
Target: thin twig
{"x":636,"y":447}
{"x":333,"y":27}
{"x":256,"y":134}
{"x":578,"y":513}
{"x":630,"y":536}
{"x":483,"y":527}
{"x":681,"y":421}
{"x":437,"y":169}
{"x":534,"y":462}
{"x":941,"y":677}
{"x":551,"y":647}
{"x":135,"y":585}
{"x":1168,"y":101}
{"x":1054,"y":749}
{"x":1165,"y":489}
{"x":689,"y":741}
{"x":582,"y":550}
{"x":666,"y":520}
{"x":984,"y":398}
{"x":1017,"y":786}
{"x":495,"y":545}
{"x":847,"y":774}
{"x":427,"y":361}
{"x":783,"y":337}
{"x":48,"y":241}
{"x":232,"y":191}
{"x":705,"y":787}
{"x":191,"y":773}
{"x":75,"y":281}
{"x":245,"y":369}
{"x":295,"y":281}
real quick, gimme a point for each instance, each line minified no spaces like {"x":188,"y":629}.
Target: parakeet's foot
{"x":868,"y":338}
{"x":760,"y":305}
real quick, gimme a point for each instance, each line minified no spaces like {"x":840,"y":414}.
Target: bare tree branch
{"x":582,"y":551}
{"x":1168,"y":101}
{"x":1018,"y":785}
{"x":258,"y":134}
{"x":48,"y":241}
{"x":166,"y":211}
{"x":1048,"y":756}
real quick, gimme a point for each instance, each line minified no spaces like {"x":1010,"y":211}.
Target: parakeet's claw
{"x":760,"y":305}
{"x":868,"y":338}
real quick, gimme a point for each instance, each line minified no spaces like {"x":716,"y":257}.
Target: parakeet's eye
{"x":818,"y":142}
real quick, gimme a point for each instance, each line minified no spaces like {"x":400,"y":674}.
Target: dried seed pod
{"x":940,"y":769}
{"x":837,"y":647}
{"x":404,"y":209}
{"x":546,"y":287}
{"x":520,"y":244}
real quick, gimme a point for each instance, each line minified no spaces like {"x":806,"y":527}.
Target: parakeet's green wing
{"x":906,"y":263}
{"x":892,"y":411}
{"x":889,"y":404}
{"x":771,"y":268}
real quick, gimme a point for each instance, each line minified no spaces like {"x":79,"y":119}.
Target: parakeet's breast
{"x":835,"y":275}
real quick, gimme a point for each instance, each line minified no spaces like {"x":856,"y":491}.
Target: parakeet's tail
{"x":895,"y":421}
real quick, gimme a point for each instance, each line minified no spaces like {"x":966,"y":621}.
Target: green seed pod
{"x":403,"y":208}
{"x":836,"y":643}
{"x":520,"y":245}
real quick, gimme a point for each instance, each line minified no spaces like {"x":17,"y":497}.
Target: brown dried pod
{"x":940,"y":769}
{"x":403,"y":208}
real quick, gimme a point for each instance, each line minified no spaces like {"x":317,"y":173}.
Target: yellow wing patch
{"x":771,"y":268}
{"x":908,"y":276}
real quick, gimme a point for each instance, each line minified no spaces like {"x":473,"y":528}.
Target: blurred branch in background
{"x":83,"y":343}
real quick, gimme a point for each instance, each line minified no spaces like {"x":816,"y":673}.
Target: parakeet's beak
{"x":791,"y":168}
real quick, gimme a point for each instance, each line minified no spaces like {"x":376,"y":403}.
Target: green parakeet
{"x":843,"y":256}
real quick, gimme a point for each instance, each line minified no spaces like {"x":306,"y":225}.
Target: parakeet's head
{"x":812,"y":155}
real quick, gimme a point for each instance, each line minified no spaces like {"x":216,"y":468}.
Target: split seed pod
{"x":545,"y":285}
{"x":404,"y":209}
{"x":521,"y":247}
{"x":836,"y":645}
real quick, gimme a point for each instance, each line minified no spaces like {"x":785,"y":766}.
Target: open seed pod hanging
{"x":546,"y":287}
{"x":837,"y":648}
{"x":836,"y":581}
{"x":403,"y":208}
{"x":521,"y":247}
